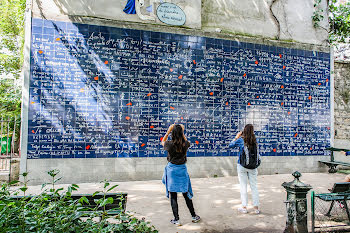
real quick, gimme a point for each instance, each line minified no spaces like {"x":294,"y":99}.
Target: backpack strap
{"x":257,"y":154}
{"x":246,"y":151}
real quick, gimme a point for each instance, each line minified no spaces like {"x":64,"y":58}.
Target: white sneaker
{"x":175,"y":222}
{"x":243,"y":210}
{"x":256,"y":211}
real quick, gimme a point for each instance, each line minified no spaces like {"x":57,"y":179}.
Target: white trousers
{"x":245,"y":175}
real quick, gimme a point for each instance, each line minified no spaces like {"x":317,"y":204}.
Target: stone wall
{"x":342,"y":107}
{"x":287,"y":20}
{"x":283,"y":23}
{"x":278,"y":19}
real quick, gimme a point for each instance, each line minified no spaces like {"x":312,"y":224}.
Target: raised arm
{"x":183,"y":129}
{"x":235,"y":141}
{"x":165,"y":138}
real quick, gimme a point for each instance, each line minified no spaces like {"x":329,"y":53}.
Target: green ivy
{"x":317,"y":17}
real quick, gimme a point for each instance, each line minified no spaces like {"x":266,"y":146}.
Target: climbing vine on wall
{"x":318,"y":14}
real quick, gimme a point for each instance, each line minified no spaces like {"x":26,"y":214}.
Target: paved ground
{"x":216,"y":200}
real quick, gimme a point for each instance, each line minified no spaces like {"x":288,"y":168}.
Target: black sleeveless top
{"x":174,"y":156}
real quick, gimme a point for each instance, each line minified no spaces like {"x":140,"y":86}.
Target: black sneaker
{"x":175,"y":222}
{"x":196,"y":218}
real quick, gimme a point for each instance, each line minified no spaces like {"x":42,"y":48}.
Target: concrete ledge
{"x":126,"y":169}
{"x":4,"y":176}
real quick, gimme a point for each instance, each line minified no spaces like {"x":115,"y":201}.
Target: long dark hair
{"x":249,"y":136}
{"x":177,"y":136}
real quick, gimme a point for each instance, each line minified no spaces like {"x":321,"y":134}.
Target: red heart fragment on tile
{"x":88,"y":147}
{"x":274,"y":149}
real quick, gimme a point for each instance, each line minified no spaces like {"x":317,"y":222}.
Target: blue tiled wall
{"x":100,"y":91}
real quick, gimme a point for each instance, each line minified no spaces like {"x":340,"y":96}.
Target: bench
{"x":339,"y":193}
{"x":118,"y":206}
{"x":333,"y":164}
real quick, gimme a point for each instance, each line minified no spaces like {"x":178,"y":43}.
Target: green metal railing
{"x":8,"y":136}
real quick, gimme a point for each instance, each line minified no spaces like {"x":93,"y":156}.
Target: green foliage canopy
{"x":11,"y":56}
{"x":339,"y":21}
{"x":11,"y":36}
{"x":338,"y":18}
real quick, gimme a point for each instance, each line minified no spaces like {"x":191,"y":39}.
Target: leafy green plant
{"x":10,"y":110}
{"x":11,"y":36}
{"x":339,"y":21}
{"x":338,"y":18}
{"x":345,"y":96}
{"x":11,"y":60}
{"x":318,"y":13}
{"x":54,"y":210}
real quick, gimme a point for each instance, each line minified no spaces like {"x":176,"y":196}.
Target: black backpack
{"x":250,"y":158}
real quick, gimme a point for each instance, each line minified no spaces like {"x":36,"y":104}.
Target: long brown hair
{"x":249,"y":136}
{"x":177,"y":136}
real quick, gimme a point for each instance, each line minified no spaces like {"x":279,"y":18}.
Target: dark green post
{"x":296,"y":205}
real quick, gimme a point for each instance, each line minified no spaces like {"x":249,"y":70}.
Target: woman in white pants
{"x":248,"y":161}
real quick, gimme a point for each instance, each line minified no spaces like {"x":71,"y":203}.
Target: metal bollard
{"x":296,"y":205}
